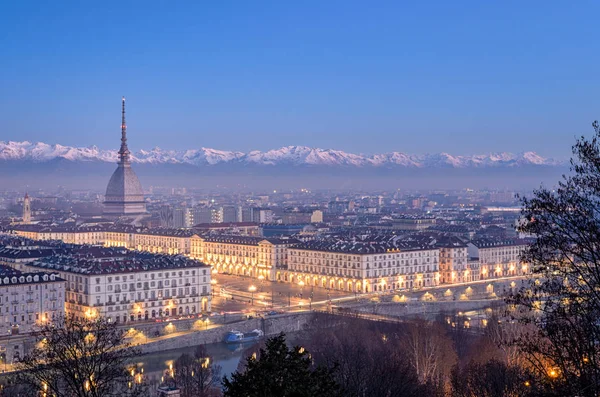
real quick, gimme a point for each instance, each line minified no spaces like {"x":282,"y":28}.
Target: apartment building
{"x":242,"y":255}
{"x":362,"y":266}
{"x":163,"y":241}
{"x":454,"y":264}
{"x":498,"y":257}
{"x":29,"y":299}
{"x":126,"y":286}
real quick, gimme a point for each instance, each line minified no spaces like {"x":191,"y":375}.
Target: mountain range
{"x":40,"y":152}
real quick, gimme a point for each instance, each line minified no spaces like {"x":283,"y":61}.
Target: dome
{"x":309,"y":229}
{"x":124,"y":193}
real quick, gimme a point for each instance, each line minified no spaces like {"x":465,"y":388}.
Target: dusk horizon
{"x":472,"y":79}
{"x":309,"y":199}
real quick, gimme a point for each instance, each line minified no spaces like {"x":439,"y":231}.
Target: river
{"x":227,"y":356}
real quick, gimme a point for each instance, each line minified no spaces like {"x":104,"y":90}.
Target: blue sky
{"x":462,"y":77}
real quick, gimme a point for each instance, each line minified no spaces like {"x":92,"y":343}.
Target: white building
{"x":242,"y":255}
{"x":364,"y":266}
{"x":499,"y":257}
{"x":28,"y":300}
{"x":316,"y":217}
{"x":454,"y":267}
{"x":124,"y":286}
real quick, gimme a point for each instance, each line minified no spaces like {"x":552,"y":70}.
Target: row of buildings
{"x":40,"y":280}
{"x":374,"y":261}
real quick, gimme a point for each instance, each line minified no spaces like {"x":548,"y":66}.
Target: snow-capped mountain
{"x":289,"y":155}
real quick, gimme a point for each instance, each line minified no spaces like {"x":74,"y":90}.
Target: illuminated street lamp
{"x":252,"y":289}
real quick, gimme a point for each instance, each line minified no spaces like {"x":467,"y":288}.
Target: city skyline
{"x":470,"y":79}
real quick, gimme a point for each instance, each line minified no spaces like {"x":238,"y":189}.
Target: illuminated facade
{"x":68,"y":234}
{"x":165,"y":241}
{"x":125,"y":288}
{"x":28,"y":300}
{"x":454,"y":266}
{"x":242,"y":255}
{"x":361,"y":267}
{"x":499,"y":258}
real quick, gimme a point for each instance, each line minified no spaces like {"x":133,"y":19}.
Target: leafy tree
{"x":280,"y":371}
{"x":197,"y":375}
{"x":562,"y":300}
{"x":80,"y":358}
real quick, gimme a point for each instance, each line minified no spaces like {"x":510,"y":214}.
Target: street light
{"x":301,"y":284}
{"x":252,"y":289}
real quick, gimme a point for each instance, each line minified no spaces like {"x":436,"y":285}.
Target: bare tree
{"x":368,"y":359}
{"x":504,"y":331}
{"x":430,"y":351}
{"x":80,"y":358}
{"x":562,"y":300}
{"x":197,"y":375}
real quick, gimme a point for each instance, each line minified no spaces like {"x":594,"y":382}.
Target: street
{"x":237,"y":293}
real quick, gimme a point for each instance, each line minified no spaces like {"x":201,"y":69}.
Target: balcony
{"x":15,"y":302}
{"x":205,"y":293}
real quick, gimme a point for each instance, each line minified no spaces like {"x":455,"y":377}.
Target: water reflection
{"x":227,"y":356}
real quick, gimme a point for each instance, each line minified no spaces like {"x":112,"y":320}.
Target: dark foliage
{"x":492,"y":379}
{"x":280,"y":371}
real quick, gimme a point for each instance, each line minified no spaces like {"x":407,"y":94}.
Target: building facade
{"x":242,"y":255}
{"x":29,"y":300}
{"x":361,"y":267}
{"x":499,"y":257}
{"x":454,"y":267}
{"x":125,"y":288}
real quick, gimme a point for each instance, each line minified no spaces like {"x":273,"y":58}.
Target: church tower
{"x":124,"y":194}
{"x":26,"y":209}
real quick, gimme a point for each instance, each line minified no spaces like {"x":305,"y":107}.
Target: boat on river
{"x":243,"y":337}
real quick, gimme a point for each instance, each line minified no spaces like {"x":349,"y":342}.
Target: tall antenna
{"x":124,"y":151}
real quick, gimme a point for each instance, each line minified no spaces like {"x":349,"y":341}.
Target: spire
{"x":124,"y":151}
